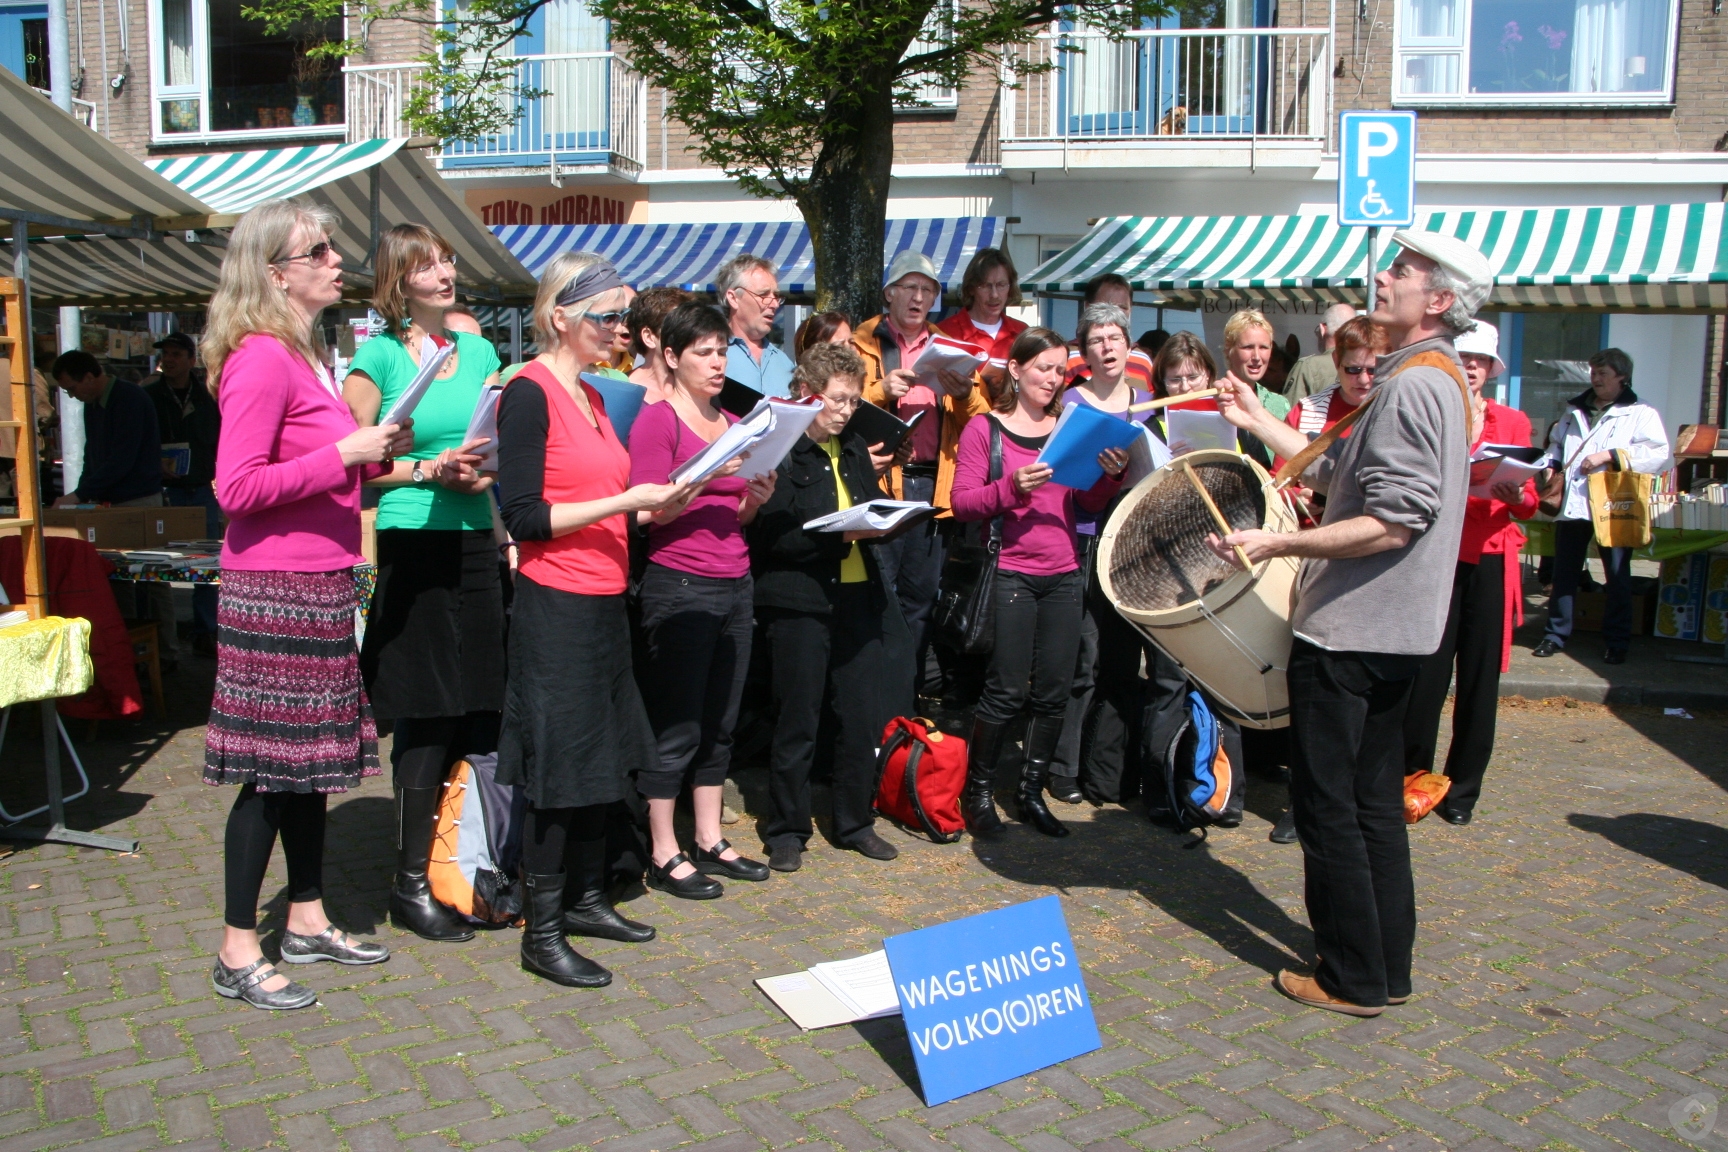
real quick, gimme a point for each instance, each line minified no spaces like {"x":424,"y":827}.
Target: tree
{"x":793,"y":98}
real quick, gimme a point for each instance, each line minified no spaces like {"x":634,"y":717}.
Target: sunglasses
{"x":609,"y":319}
{"x":316,"y":254}
{"x":1357,"y":370}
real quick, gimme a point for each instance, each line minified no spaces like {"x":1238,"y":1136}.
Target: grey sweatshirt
{"x":1405,"y":462}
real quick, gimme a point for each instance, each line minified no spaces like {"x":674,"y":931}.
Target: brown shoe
{"x":1307,"y":990}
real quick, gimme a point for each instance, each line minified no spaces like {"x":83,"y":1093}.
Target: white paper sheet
{"x":484,"y":423}
{"x":1145,"y":456}
{"x":1493,"y":464}
{"x":767,"y":433}
{"x":956,"y":356}
{"x":864,"y":984}
{"x":433,"y":356}
{"x":1198,"y":431}
{"x":870,"y":516}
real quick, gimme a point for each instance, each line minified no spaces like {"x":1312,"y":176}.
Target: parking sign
{"x":1377,"y":168}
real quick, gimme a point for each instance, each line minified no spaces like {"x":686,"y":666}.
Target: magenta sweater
{"x":1037,"y":530}
{"x":706,"y":538}
{"x":291,"y":505}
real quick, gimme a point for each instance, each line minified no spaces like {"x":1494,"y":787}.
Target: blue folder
{"x":623,"y":402}
{"x":1072,"y":451}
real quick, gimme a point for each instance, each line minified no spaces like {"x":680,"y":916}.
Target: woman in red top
{"x":988,"y":288}
{"x":574,"y":729}
{"x":1486,"y":593}
{"x":1358,"y":343}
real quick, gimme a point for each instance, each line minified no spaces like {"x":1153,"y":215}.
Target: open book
{"x":767,"y":433}
{"x":435,"y":352}
{"x":945,"y":352}
{"x":873,"y":516}
{"x":1493,"y":464}
{"x":838,"y":992}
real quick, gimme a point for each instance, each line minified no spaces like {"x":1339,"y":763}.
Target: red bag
{"x":922,"y":774}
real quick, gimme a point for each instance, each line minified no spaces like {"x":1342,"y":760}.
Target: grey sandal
{"x":248,"y":984}
{"x":331,"y":944}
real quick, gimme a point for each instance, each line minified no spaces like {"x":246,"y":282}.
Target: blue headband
{"x":598,"y":277}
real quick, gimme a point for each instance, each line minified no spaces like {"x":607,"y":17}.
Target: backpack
{"x":477,"y":847}
{"x":920,"y":775}
{"x":1202,"y":762}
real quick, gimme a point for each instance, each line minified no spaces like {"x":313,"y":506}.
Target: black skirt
{"x":575,"y":730}
{"x":435,"y":636}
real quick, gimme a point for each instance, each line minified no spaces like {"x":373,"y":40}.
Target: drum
{"x":1228,"y":628}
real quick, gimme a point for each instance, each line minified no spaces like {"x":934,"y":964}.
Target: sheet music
{"x":870,"y":516}
{"x":484,"y":423}
{"x":434,"y":353}
{"x":767,"y":433}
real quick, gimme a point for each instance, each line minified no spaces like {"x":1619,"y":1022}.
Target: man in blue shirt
{"x":749,"y":294}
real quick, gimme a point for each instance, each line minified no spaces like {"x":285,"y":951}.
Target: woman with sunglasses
{"x":574,"y":730}
{"x":289,"y":722}
{"x":1357,"y":344}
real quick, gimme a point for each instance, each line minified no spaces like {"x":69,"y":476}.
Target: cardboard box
{"x":1714,"y":628}
{"x":164,"y":524}
{"x":1680,"y":599}
{"x":103,"y":527}
{"x":1588,"y":609}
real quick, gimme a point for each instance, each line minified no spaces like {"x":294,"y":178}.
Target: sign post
{"x":1376,"y":177}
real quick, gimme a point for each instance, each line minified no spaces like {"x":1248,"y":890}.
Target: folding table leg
{"x":56,"y":806}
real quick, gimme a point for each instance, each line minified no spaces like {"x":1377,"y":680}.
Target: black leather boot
{"x":1042,"y":733}
{"x":412,"y":905}
{"x":591,"y":913}
{"x":977,"y":802}
{"x":545,"y":952}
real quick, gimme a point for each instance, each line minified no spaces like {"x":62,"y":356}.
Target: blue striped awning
{"x":688,"y":255}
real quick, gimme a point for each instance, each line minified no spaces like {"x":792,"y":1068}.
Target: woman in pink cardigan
{"x":289,"y":722}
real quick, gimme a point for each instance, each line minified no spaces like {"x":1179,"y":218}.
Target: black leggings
{"x":253,"y":824}
{"x":422,"y":750}
{"x":548,"y":832}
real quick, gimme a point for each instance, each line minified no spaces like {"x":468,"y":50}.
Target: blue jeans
{"x":204,"y":595}
{"x":1572,"y":541}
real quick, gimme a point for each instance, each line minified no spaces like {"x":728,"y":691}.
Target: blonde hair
{"x":402,"y":251}
{"x":565,"y":267}
{"x":1240,"y":323}
{"x":246,"y":300}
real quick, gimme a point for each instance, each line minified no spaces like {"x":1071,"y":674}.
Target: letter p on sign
{"x":1374,"y":139}
{"x":1377,"y":169}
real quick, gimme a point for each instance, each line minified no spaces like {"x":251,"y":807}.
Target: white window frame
{"x":932,"y":97}
{"x":161,"y":94}
{"x":1416,"y":48}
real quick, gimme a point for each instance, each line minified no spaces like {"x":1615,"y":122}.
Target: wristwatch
{"x":419,"y":473}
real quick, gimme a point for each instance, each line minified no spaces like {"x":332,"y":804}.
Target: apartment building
{"x":1225,"y":109}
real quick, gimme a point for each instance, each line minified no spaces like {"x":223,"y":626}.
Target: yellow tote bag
{"x":1620,"y":508}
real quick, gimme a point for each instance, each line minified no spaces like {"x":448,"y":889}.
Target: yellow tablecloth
{"x":45,"y":659}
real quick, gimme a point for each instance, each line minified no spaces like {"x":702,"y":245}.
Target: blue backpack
{"x":1203,"y":778}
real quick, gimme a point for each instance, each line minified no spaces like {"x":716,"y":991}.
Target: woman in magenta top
{"x":697,"y":607}
{"x":1039,"y":585}
{"x":574,"y":729}
{"x":289,"y":721}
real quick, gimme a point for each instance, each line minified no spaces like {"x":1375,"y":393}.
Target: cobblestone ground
{"x":1570,"y":984}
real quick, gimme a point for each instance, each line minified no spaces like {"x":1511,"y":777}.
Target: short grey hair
{"x":1101,"y":316}
{"x":1337,"y":316}
{"x":1456,"y":318}
{"x":731,"y":274}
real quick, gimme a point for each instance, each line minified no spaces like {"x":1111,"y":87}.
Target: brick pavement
{"x":1570,"y":985}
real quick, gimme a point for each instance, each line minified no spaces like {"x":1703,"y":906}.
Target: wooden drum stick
{"x":1217,"y":516}
{"x":1203,"y":394}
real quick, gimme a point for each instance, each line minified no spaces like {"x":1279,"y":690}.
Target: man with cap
{"x":189,"y":423}
{"x":1485,"y":597}
{"x":890,"y":345}
{"x":1368,"y":611}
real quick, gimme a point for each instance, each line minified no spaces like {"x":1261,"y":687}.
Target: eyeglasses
{"x":763,"y":298}
{"x":1357,"y":369}
{"x":316,"y":254}
{"x":1193,"y":378}
{"x":1099,"y":343}
{"x":444,"y":261}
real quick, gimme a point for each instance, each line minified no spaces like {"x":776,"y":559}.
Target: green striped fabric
{"x":1667,"y":256}
{"x":235,"y":181}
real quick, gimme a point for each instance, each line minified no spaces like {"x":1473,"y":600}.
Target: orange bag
{"x":1423,"y":792}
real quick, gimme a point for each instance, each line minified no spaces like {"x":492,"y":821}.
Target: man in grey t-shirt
{"x":1371,"y":602}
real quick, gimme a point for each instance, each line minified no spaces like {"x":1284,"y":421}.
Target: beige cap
{"x":1482,"y":340}
{"x":908,"y":262}
{"x":1463,"y":262}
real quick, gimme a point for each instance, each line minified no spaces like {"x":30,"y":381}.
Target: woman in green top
{"x":433,"y":657}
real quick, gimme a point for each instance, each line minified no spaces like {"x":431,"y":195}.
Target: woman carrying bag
{"x":1606,"y":428}
{"x":1037,"y":584}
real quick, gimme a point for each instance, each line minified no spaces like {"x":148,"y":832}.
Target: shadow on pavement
{"x":1684,"y":845}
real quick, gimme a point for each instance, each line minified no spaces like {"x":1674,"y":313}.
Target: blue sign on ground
{"x":1377,"y":168}
{"x":991,"y":997}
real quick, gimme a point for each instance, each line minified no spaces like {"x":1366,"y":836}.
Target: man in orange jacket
{"x":890,"y":345}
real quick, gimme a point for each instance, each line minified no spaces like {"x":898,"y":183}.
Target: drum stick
{"x":1217,"y":516}
{"x":1203,"y":394}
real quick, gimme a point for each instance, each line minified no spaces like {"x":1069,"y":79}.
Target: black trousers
{"x":1347,"y":796}
{"x":696,"y":630}
{"x":254,"y":822}
{"x":912,"y":566}
{"x":1082,"y":692}
{"x":422,"y":751}
{"x":1475,"y":633}
{"x":550,"y":835}
{"x":1572,"y":539}
{"x":1037,"y":638}
{"x":841,"y":657}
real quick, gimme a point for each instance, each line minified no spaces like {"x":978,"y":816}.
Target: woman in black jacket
{"x":830,"y":622}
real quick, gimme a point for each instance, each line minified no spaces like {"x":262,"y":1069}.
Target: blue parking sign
{"x":991,"y":997}
{"x":1377,"y":168}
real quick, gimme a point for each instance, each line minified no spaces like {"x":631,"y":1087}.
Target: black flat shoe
{"x":1285,"y":831}
{"x":786,"y":857}
{"x":1614,"y":656}
{"x":248,"y":984}
{"x":871,"y":845}
{"x":1065,"y":789}
{"x":708,"y":860}
{"x":692,"y":887}
{"x":593,"y":915}
{"x":1455,"y":816}
{"x":1546,"y":649}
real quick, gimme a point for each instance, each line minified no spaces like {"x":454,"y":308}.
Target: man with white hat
{"x":1371,"y":604}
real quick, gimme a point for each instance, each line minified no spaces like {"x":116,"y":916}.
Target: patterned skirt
{"x":289,"y":713}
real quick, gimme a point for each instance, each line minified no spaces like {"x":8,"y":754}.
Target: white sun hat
{"x":1482,"y":340}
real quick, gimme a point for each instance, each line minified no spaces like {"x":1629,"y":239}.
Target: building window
{"x":1535,"y":51}
{"x":937,"y":34}
{"x":217,"y":72}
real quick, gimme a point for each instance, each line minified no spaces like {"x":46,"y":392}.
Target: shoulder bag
{"x":966,"y":610}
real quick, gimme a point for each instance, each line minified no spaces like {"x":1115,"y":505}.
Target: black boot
{"x":977,"y":804}
{"x":412,"y":905}
{"x":1042,"y":733}
{"x":545,"y":952}
{"x":592,"y":914}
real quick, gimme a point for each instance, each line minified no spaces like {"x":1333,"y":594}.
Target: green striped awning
{"x":1671,"y":257}
{"x":235,"y":181}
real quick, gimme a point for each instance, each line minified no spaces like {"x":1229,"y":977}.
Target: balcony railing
{"x":1168,"y":84}
{"x":593,"y":110}
{"x":83,"y":110}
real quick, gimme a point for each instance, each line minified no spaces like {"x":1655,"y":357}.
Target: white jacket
{"x":1628,"y":427}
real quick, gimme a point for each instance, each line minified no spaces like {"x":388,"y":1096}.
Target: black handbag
{"x":966,"y":610}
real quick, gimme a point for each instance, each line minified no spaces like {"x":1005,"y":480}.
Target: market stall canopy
{"x":92,"y":271}
{"x":688,"y":255}
{"x":345,"y":177}
{"x":1647,"y":257}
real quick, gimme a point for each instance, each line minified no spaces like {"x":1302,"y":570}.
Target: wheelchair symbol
{"x":1372,"y":205}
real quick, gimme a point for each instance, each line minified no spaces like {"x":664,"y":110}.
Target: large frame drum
{"x":1228,"y":628}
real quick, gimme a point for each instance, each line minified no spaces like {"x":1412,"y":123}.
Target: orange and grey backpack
{"x":477,"y":848}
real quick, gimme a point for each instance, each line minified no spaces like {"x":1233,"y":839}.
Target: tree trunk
{"x":845,"y":206}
